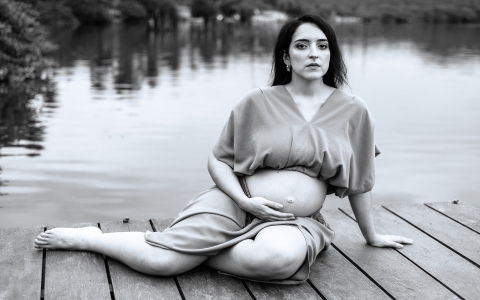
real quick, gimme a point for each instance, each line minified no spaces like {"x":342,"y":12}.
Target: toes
{"x":40,"y":242}
{"x":42,"y":239}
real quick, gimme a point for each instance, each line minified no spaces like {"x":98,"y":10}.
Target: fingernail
{"x":279,"y":206}
{"x":400,"y":247}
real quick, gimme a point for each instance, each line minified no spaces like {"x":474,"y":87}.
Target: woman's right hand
{"x":265,"y":209}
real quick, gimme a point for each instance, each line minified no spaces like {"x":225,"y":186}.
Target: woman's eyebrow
{"x":307,"y":40}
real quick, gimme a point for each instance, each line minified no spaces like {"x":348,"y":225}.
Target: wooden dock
{"x":443,"y":263}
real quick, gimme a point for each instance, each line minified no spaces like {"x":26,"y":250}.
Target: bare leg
{"x":127,"y":247}
{"x":276,"y":253}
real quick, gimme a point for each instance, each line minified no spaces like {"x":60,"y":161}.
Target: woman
{"x":283,"y":149}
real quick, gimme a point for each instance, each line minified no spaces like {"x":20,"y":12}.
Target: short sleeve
{"x":357,"y":174}
{"x":235,"y":143}
{"x":223,"y":149}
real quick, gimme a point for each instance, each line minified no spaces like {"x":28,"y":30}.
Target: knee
{"x":160,"y":266}
{"x":276,"y":263}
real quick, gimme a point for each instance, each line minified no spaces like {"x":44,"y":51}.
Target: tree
{"x":205,"y":9}
{"x":161,"y":11}
{"x":23,"y":43}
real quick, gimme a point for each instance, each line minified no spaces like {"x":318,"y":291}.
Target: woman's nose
{"x":313,"y":53}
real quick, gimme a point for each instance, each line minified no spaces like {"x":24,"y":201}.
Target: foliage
{"x":91,"y":11}
{"x":72,"y":11}
{"x":132,"y":10}
{"x":22,"y":43}
{"x":23,"y":67}
{"x":55,"y":12}
{"x":388,"y":10}
{"x":205,"y":9}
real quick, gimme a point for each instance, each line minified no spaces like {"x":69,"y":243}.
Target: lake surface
{"x":136,"y":113}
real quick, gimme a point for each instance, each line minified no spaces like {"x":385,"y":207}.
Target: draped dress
{"x":267,"y":130}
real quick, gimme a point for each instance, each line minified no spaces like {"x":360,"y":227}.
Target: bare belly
{"x":299,"y":194}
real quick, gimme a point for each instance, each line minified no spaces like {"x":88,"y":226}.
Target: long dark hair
{"x":336,"y":75}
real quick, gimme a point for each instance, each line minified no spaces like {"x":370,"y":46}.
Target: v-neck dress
{"x":267,"y":130}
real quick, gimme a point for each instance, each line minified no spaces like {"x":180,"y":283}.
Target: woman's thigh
{"x":277,"y":252}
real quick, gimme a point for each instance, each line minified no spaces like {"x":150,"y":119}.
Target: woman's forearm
{"x":226,"y":180}
{"x":362,"y":208}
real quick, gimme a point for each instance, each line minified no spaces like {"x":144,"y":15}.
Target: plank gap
{"x":438,"y":240}
{"x":44,"y":263}
{"x":248,"y":290}
{"x":107,"y":269}
{"x":426,"y":204}
{"x":153,"y":225}
{"x":436,"y":279}
{"x":418,"y":266}
{"x":179,"y":288}
{"x":364,"y":273}
{"x":340,"y":209}
{"x":316,"y":290}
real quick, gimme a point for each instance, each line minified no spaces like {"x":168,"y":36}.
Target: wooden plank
{"x":337,"y":278}
{"x":396,"y":274}
{"x":162,"y":224}
{"x":205,"y":283}
{"x":266,"y":291}
{"x":75,"y":274}
{"x":130,"y":284}
{"x":20,"y":263}
{"x":450,"y":233}
{"x":445,"y":265}
{"x":461,"y":212}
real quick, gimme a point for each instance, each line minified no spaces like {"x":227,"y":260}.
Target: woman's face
{"x":308,"y":53}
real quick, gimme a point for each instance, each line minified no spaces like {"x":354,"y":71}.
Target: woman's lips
{"x":313,"y":65}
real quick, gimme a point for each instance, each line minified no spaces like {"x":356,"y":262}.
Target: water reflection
{"x":132,"y":52}
{"x":137,"y":111}
{"x":20,"y":106}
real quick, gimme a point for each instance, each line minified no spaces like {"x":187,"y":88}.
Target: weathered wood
{"x":130,"y":284}
{"x":266,"y":291}
{"x":397,"y":275}
{"x":75,"y":274}
{"x":337,"y":278}
{"x":461,"y":212}
{"x":205,"y":283}
{"x":442,"y":263}
{"x":20,"y":263}
{"x":450,"y":233}
{"x":162,"y":224}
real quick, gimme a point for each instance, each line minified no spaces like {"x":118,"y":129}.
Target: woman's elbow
{"x":210,"y":162}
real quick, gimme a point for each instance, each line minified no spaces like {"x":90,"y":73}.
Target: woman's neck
{"x":307,"y":88}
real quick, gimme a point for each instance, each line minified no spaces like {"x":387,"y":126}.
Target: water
{"x":136,"y":113}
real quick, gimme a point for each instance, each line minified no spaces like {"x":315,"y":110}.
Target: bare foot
{"x":66,"y":238}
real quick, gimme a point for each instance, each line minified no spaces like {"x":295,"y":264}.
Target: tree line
{"x":104,"y":11}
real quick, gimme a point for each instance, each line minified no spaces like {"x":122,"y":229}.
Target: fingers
{"x":395,"y":245}
{"x":403,"y":240}
{"x":270,"y":212}
{"x":272,"y":204}
{"x":396,"y":241}
{"x":400,"y":239}
{"x":392,"y":241}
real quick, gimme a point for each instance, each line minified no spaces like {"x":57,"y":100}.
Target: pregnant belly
{"x":299,"y":194}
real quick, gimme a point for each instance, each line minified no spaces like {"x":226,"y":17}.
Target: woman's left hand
{"x":393,"y":241}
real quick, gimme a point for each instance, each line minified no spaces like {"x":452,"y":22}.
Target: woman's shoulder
{"x":256,"y":96}
{"x":354,"y":101}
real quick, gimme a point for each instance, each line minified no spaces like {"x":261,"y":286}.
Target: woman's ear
{"x":286,"y":58}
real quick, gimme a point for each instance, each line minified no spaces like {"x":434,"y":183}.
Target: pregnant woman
{"x":283,"y":149}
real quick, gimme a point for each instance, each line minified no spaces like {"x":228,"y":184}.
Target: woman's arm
{"x":362,"y":208}
{"x":227,"y":181}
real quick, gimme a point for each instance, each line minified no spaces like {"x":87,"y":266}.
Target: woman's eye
{"x":323,"y":46}
{"x":301,"y":46}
